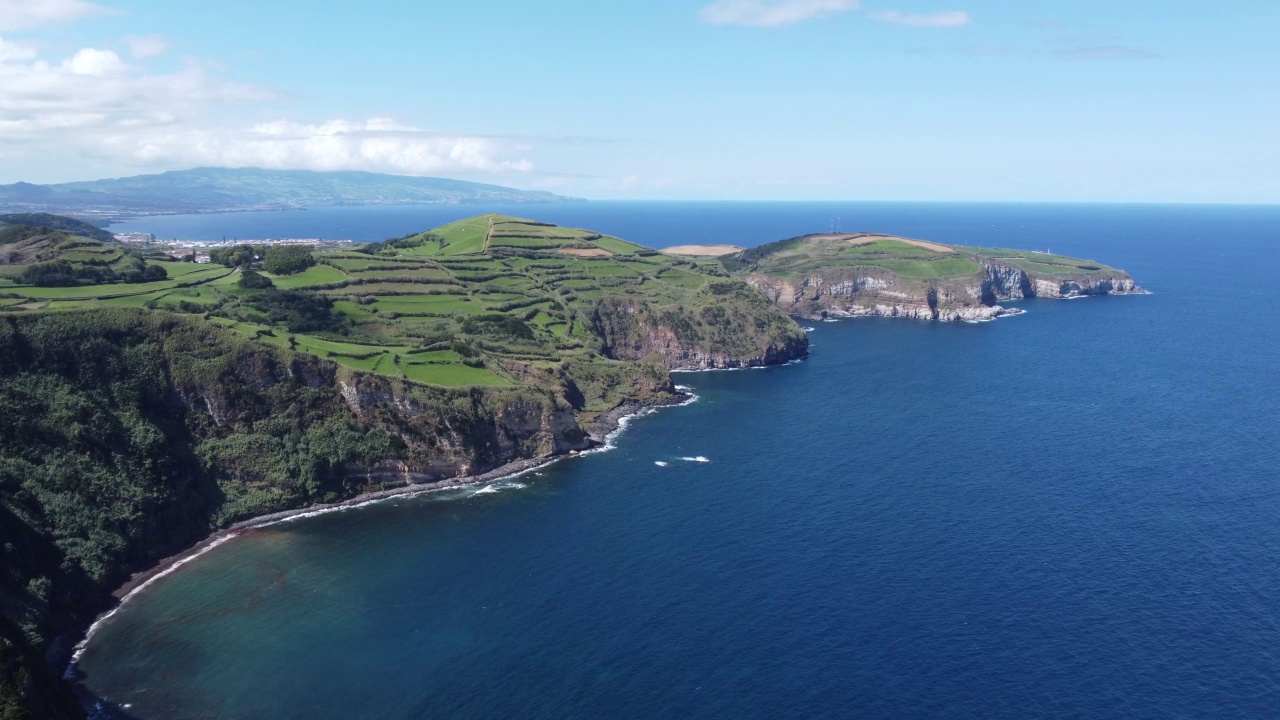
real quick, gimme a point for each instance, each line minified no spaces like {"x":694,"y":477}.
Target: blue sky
{"x":701,"y":99}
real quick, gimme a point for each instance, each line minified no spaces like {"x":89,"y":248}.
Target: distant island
{"x":208,"y":190}
{"x":149,"y":401}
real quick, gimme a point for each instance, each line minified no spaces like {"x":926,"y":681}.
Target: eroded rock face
{"x":455,"y":433}
{"x":740,"y":332}
{"x":871,"y":292}
{"x":440,"y":433}
{"x":1008,"y":282}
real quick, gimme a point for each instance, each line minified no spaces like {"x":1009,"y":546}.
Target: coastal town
{"x":184,"y":249}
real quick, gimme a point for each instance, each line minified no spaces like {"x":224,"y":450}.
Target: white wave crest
{"x":659,"y":463}
{"x":625,"y":421}
{"x":499,"y":486}
{"x":698,"y":459}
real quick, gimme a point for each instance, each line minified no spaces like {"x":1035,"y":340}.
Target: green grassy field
{"x":315,"y":275}
{"x":1044,"y":263}
{"x":920,"y":268}
{"x":465,"y":237}
{"x":618,"y":247}
{"x":792,"y":258}
{"x":454,"y":376}
{"x":180,"y":269}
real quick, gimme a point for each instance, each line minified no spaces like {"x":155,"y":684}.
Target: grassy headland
{"x":867,"y":274}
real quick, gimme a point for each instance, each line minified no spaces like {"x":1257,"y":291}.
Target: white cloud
{"x":26,"y":14}
{"x":761,"y":13}
{"x":146,"y":46}
{"x":103,"y":92}
{"x":95,"y":106}
{"x":91,"y":61}
{"x":952,"y":18}
{"x":11,"y":51}
{"x":333,"y":145}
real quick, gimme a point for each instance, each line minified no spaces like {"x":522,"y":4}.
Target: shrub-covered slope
{"x":71,"y":226}
{"x":127,"y":435}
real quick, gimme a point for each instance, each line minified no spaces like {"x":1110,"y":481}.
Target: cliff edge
{"x":861,"y":274}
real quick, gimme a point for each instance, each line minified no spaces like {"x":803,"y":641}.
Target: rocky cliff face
{"x":646,"y":339}
{"x":1008,"y":282}
{"x":735,"y":328}
{"x":874,"y":292}
{"x":450,"y":434}
{"x":436,"y":433}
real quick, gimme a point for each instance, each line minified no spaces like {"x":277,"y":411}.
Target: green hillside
{"x":56,"y":263}
{"x":1042,"y":263}
{"x":903,"y":257}
{"x":71,"y":226}
{"x":488,"y":301}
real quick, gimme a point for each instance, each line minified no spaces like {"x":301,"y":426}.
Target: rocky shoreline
{"x":605,"y":427}
{"x":874,"y":292}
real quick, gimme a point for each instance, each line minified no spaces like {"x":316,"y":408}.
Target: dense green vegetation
{"x":126,"y":435}
{"x":70,"y":226}
{"x":237,"y":256}
{"x":63,"y":273}
{"x":43,"y":256}
{"x":105,"y":467}
{"x":287,"y":259}
{"x":10,"y":234}
{"x":250,"y":280}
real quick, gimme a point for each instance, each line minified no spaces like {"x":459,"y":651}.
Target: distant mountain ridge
{"x":202,"y":190}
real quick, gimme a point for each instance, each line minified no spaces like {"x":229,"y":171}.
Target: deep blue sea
{"x":1069,"y":513}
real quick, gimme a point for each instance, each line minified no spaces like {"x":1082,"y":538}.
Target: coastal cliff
{"x":730,"y":327}
{"x":860,"y":275}
{"x":127,"y":436}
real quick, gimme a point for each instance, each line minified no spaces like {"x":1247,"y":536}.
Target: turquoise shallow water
{"x":1073,"y":512}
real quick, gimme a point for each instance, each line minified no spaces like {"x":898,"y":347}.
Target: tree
{"x":51,"y":274}
{"x":287,"y":259}
{"x":238,"y":256}
{"x":251,"y":280}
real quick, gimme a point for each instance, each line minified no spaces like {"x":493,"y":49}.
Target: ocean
{"x":1074,"y":512}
